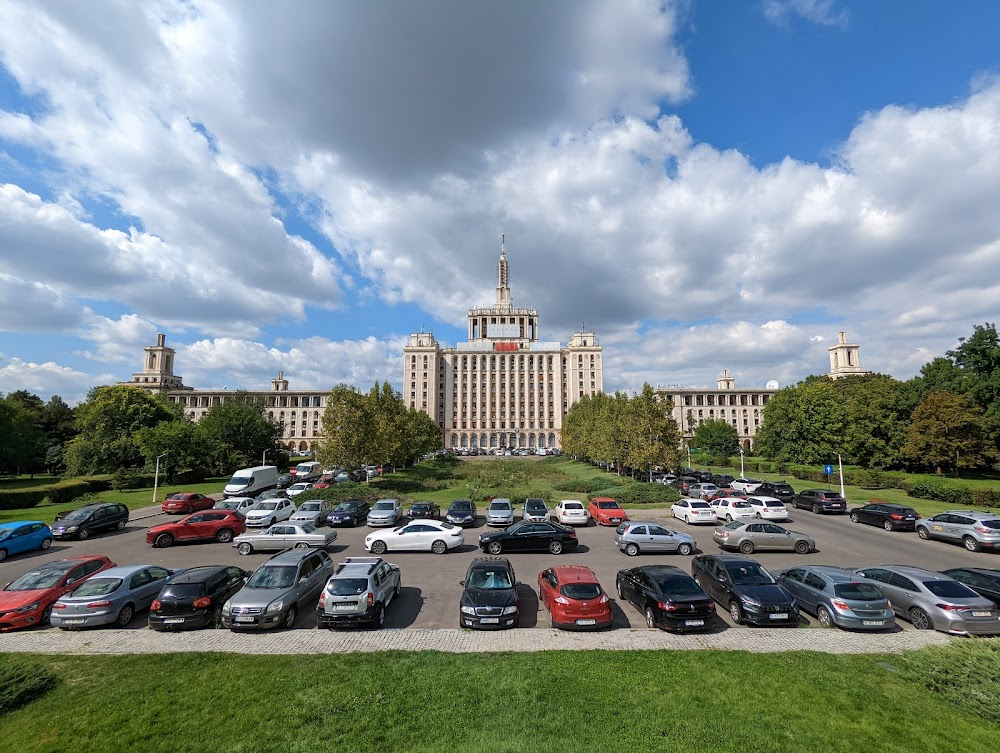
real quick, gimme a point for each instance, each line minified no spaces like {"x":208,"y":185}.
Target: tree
{"x":22,"y":442}
{"x":979,"y":359}
{"x":876,"y":419}
{"x":804,"y":424}
{"x":947,"y":431}
{"x":58,"y":421}
{"x":238,"y":431}
{"x":184,"y":446}
{"x":718,"y":438}
{"x":652,"y":434}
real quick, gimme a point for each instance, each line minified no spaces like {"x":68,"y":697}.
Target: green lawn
{"x":528,"y":703}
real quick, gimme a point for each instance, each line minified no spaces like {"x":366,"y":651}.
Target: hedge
{"x":21,"y":499}
{"x":132,"y":480}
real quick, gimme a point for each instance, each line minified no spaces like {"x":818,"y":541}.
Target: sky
{"x":299,"y":186}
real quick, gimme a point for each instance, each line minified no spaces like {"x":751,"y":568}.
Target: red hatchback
{"x":606,"y":511}
{"x":574,"y":598}
{"x":211,"y":525}
{"x":28,"y":600}
{"x":187,"y":502}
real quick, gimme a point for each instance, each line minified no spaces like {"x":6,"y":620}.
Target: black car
{"x":489,"y":599}
{"x":525,"y":536}
{"x":820,"y":500}
{"x":284,"y":481}
{"x":777,"y":489}
{"x":746,"y":589}
{"x":982,"y":580}
{"x":722,"y":480}
{"x":82,"y":522}
{"x":461,"y":513}
{"x":683,"y":484}
{"x":668,"y":597}
{"x":425,"y":510}
{"x":350,"y":512}
{"x":890,"y":516}
{"x":194,"y":598}
{"x":704,"y":477}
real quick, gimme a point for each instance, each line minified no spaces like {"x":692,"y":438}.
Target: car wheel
{"x":439,"y":547}
{"x":47,"y":614}
{"x":971,"y":544}
{"x":650,"y":618}
{"x":685,"y":549}
{"x":729,"y":518}
{"x":802,"y":547}
{"x":855,"y":518}
{"x":46,"y":543}
{"x":618,"y":588}
{"x":302,"y":545}
{"x":125,"y":616}
{"x":379,"y":547}
{"x":757,"y":515}
{"x":224,"y":535}
{"x":887,"y":525}
{"x":495,"y":547}
{"x":83,"y":534}
{"x":687,"y":520}
{"x":746,"y":547}
{"x":555,"y":547}
{"x":922,"y":533}
{"x":816,"y":509}
{"x":273,"y":521}
{"x":163,"y":540}
{"x":735,"y":612}
{"x":920,"y":619}
{"x":245,"y":548}
{"x":631,"y":550}
{"x":823,"y":615}
{"x":552,"y":622}
{"x":380,"y":616}
{"x":289,"y":622}
{"x":3,"y":554}
{"x":217,"y":616}
{"x":121,"y":525}
{"x":398,"y":587}
{"x":189,"y":510}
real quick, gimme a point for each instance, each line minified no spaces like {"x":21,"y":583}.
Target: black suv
{"x":777,"y":489}
{"x":746,"y":589}
{"x":890,"y":516}
{"x":489,"y":599}
{"x":80,"y":523}
{"x":820,"y":500}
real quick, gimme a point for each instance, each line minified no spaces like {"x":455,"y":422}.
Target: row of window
{"x":733,"y":400}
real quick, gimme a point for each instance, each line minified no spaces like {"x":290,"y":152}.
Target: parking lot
{"x":431,"y":583}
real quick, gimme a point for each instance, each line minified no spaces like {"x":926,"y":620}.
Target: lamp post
{"x":840,"y":466}
{"x":263,"y":457}
{"x":742,"y":474}
{"x":156,"y":476}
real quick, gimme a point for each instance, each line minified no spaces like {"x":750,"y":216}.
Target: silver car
{"x":284,"y":536}
{"x":975,"y":529}
{"x":312,"y":511}
{"x":358,"y":593}
{"x":838,"y":598}
{"x":635,"y":536}
{"x":112,"y":597}
{"x":535,"y":510}
{"x":932,"y":601}
{"x":749,"y":536}
{"x":272,"y":595}
{"x":385,"y":512}
{"x":702,"y":491}
{"x":500,"y":512}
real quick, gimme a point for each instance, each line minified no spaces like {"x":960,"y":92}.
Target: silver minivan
{"x":273,"y":594}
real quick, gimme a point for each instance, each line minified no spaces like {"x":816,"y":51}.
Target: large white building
{"x":502,"y":387}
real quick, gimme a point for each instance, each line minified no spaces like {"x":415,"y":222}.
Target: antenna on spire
{"x":503,"y":248}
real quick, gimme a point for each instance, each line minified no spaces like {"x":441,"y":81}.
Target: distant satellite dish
{"x":772,"y":385}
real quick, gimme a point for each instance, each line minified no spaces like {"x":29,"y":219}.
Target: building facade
{"x":503,"y":387}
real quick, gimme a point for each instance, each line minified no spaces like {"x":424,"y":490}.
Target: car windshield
{"x":420,"y":507}
{"x":581,"y":591}
{"x":347,"y":507}
{"x":536,"y":505}
{"x":858,"y":591}
{"x":749,"y":574}
{"x":273,"y":576}
{"x":5,"y":533}
{"x":609,"y":505}
{"x":182,"y":591}
{"x":310,"y":507}
{"x":266,"y":505}
{"x":347,"y":586}
{"x":98,"y":587}
{"x":677,"y":585}
{"x":461,"y":506}
{"x":384,"y":506}
{"x":783,"y":488}
{"x":490,"y":579}
{"x":772,"y":503}
{"x":239,"y":481}
{"x":81,"y":514}
{"x":36,"y":579}
{"x":950,"y":589}
{"x":226,"y":504}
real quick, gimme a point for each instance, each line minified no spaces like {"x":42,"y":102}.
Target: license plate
{"x":872,"y":622}
{"x":245,"y":618}
{"x":73,"y":622}
{"x":344,"y":607}
{"x":173,"y":621}
{"x":693,"y":623}
{"x":489,"y":620}
{"x":778,"y":616}
{"x":981,"y":614}
{"x":616,"y":520}
{"x":586,"y":622}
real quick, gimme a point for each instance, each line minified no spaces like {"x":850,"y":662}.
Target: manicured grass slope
{"x":558,"y":701}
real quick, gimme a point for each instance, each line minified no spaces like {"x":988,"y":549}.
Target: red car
{"x":727,"y":492}
{"x":574,"y":598}
{"x":211,"y":525}
{"x":187,"y":502}
{"x":606,"y":511}
{"x":28,"y":600}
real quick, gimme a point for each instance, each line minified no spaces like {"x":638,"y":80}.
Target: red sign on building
{"x":505,"y":346}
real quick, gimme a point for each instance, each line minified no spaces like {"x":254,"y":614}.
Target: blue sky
{"x":707,"y":185}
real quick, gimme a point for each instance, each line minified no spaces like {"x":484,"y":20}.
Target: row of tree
{"x":33,"y":433}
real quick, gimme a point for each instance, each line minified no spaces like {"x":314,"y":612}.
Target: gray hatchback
{"x":272,"y":595}
{"x":635,"y":536}
{"x":838,"y":597}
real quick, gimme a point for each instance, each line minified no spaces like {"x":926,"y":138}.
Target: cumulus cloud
{"x":48,"y":379}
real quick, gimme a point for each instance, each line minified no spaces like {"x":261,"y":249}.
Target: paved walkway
{"x":304,"y":641}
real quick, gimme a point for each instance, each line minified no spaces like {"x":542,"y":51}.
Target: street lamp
{"x":156,"y":476}
{"x":263,"y":457}
{"x":742,"y":473}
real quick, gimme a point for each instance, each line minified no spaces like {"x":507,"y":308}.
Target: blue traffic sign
{"x":828,"y":470}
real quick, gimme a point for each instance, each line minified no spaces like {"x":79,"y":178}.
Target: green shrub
{"x":67,"y":491}
{"x":22,"y":681}
{"x":191,"y":476}
{"x":965,"y":673}
{"x":131,"y":479}
{"x":21,"y":499}
{"x":346,"y":490}
{"x":636,"y":493}
{"x":584,"y":485}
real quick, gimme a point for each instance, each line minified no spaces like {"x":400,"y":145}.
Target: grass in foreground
{"x":556,"y":701}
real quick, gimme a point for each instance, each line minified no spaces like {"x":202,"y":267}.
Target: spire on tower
{"x":503,"y":288}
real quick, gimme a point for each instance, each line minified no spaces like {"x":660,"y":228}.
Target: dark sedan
{"x":530,"y":537}
{"x":194,"y":598}
{"x":777,"y":489}
{"x":820,"y":500}
{"x":424,"y":510}
{"x":890,"y":517}
{"x":83,"y":521}
{"x":746,"y":589}
{"x":667,"y":596}
{"x":982,"y":580}
{"x":350,"y":512}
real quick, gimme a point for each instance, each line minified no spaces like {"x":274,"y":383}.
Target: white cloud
{"x":49,"y":378}
{"x":822,"y":12}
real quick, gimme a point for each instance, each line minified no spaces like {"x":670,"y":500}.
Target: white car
{"x":269,"y":512}
{"x":746,"y":485}
{"x":236,"y":504}
{"x":298,"y":487}
{"x":733,"y":508}
{"x":693,"y":511}
{"x":500,"y":512}
{"x":571,"y":512}
{"x":768,"y":508}
{"x":420,"y":536}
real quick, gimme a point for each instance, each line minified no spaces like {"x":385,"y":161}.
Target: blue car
{"x":23,"y":536}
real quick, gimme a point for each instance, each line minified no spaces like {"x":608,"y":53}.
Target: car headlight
{"x":510,"y":610}
{"x":749,"y":603}
{"x":468,"y":610}
{"x":71,"y":529}
{"x":227,"y":607}
{"x":275,"y":606}
{"x":29,"y":607}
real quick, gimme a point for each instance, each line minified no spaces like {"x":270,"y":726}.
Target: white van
{"x":249,"y":482}
{"x":308,"y":471}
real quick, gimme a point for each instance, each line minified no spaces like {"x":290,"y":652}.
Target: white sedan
{"x":768,"y":508}
{"x":571,"y":512}
{"x":421,"y":535}
{"x":269,"y":511}
{"x":284,"y":536}
{"x":693,"y":511}
{"x":733,"y":508}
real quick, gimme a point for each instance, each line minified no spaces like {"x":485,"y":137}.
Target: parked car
{"x":704,"y":476}
{"x":272,"y":595}
{"x":984,"y":581}
{"x":753,"y":535}
{"x":820,"y":501}
{"x":606,"y":511}
{"x":571,"y":512}
{"x":298,"y":488}
{"x":535,"y":510}
{"x":489,"y":598}
{"x":311,"y":511}
{"x":891,"y":517}
{"x":574,"y":598}
{"x":500,"y":512}
{"x":733,"y":508}
{"x":423,"y":509}
{"x":269,"y":494}
{"x":385,"y":512}
{"x":745,"y":588}
{"x":186,"y":503}
{"x":358,"y":592}
{"x":285,"y":480}
{"x":419,"y":535}
{"x":193,"y":598}
{"x":668,"y":597}
{"x":683,"y":484}
{"x":767,"y":508}
{"x":702,"y":491}
{"x":838,"y":598}
{"x":112,"y":597}
{"x":748,"y":485}
{"x":647,"y":536}
{"x":210,"y":525}
{"x":239,"y":505}
{"x":462,"y":513}
{"x":349,"y":512}
{"x":27,"y":601}
{"x":723,"y":479}
{"x":269,"y":512}
{"x":974,"y":529}
{"x":728,"y":491}
{"x":777,"y":489}
{"x":933,"y":601}
{"x":284,"y":536}
{"x":83,"y":521}
{"x":693,"y":511}
{"x":23,"y":536}
{"x":525,"y":536}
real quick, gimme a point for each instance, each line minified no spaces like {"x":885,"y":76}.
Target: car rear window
{"x":994,"y":524}
{"x":857,"y":591}
{"x":98,"y":587}
{"x":581,"y":591}
{"x":182,"y":591}
{"x":677,"y":585}
{"x":696,"y":505}
{"x":949,"y":589}
{"x":347,"y":586}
